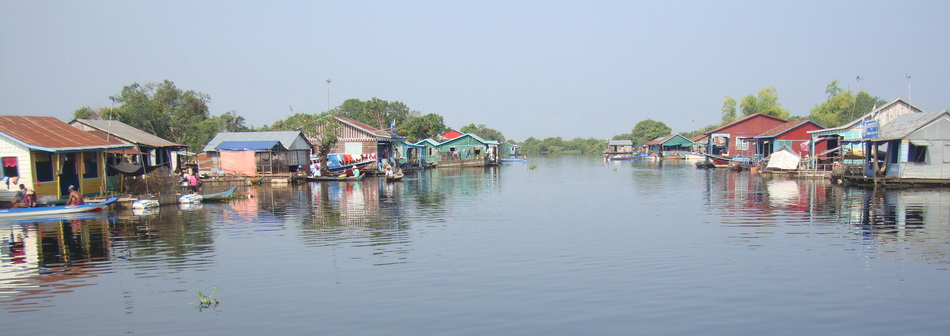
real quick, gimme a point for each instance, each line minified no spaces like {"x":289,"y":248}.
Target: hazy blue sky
{"x":525,"y":68}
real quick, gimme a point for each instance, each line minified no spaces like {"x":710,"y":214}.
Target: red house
{"x":793,"y":134}
{"x":732,"y":139}
{"x":451,"y":134}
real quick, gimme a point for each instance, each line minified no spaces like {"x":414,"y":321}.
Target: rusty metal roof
{"x":51,"y":135}
{"x":125,"y":132}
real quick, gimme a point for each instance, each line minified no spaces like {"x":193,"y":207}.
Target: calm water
{"x":576,"y":246}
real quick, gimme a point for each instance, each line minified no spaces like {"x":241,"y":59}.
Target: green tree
{"x":766,"y":103}
{"x":832,"y":89}
{"x":728,"y":109}
{"x":375,"y":112}
{"x":647,"y":130}
{"x":829,"y":113}
{"x":483,"y":132}
{"x":164,"y":110}
{"x":427,"y":126}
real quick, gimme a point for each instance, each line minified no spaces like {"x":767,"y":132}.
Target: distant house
{"x":451,"y":134}
{"x":430,"y":148}
{"x":791,"y":135}
{"x":468,"y":147}
{"x":728,"y":139}
{"x":411,"y":155}
{"x":845,"y":142}
{"x":49,"y":155}
{"x":256,"y":153}
{"x":363,"y":141}
{"x":670,"y":145}
{"x":510,"y":149}
{"x":911,"y":148}
{"x":154,"y":151}
{"x":619,"y":147}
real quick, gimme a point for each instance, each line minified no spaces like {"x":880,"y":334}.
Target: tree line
{"x":182,"y":116}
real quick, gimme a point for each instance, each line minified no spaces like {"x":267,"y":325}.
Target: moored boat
{"x":335,"y":178}
{"x":55,"y":210}
{"x":190,"y":198}
{"x":145,"y":204}
{"x":217,"y":197}
{"x":514,"y":159}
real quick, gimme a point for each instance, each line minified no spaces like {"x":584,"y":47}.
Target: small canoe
{"x":514,"y":159}
{"x":334,"y":178}
{"x":55,"y":210}
{"x":221,"y":196}
{"x":145,"y":204}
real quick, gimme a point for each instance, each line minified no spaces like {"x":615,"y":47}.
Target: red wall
{"x":752,"y":126}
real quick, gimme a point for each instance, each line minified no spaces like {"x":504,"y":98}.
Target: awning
{"x":921,"y":143}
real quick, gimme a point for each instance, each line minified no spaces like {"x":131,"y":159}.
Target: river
{"x":561,"y":245}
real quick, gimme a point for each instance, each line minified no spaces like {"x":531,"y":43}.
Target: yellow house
{"x":49,"y":155}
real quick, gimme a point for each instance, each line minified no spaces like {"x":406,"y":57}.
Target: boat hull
{"x":55,"y":210}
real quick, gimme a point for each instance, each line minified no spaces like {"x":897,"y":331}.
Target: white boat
{"x":190,"y":199}
{"x":145,"y":204}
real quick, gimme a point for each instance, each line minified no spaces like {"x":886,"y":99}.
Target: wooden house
{"x":49,"y":155}
{"x":912,"y":148}
{"x":365,"y":142}
{"x":619,"y":147}
{"x":450,"y":134}
{"x":792,"y":135}
{"x":845,"y":143}
{"x":430,"y":149}
{"x":154,"y":152}
{"x":256,"y":153}
{"x":728,"y":140}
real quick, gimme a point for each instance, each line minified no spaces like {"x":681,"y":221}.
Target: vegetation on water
{"x":208,"y":301}
{"x":182,"y":116}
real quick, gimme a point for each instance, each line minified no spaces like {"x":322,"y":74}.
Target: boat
{"x":145,"y":204}
{"x":514,"y":159}
{"x":55,"y":210}
{"x":221,"y":196}
{"x":623,"y":157}
{"x":335,"y":178}
{"x":396,"y":176}
{"x":718,"y":159}
{"x":341,"y":163}
{"x":189,"y":199}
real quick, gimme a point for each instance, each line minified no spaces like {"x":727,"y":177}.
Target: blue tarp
{"x":249,"y":145}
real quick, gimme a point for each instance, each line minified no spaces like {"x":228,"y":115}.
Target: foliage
{"x":427,"y":126}
{"x":483,"y":132}
{"x":843,"y":107}
{"x":647,"y":130}
{"x":558,"y":145}
{"x":375,"y":112}
{"x":728,"y":109}
{"x":206,"y":301}
{"x":766,"y":103}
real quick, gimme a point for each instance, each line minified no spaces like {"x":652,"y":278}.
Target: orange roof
{"x":51,"y":134}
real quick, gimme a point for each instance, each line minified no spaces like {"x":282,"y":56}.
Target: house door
{"x":69,"y":175}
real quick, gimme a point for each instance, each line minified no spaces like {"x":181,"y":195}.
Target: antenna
{"x":908,"y":86}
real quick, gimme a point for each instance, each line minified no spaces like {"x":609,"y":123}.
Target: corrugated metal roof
{"x":287,"y":138}
{"x":264,"y":145}
{"x":619,"y":142}
{"x":51,"y":134}
{"x":365,"y":127}
{"x":742,"y":121}
{"x":904,"y":125}
{"x":125,"y":132}
{"x":785,"y":128}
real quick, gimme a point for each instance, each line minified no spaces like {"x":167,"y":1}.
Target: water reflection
{"x":912,"y":221}
{"x":45,"y":258}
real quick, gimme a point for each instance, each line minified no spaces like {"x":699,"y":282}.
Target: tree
{"x":483,"y":132}
{"x":375,"y":112}
{"x":426,"y":126}
{"x":766,"y":103}
{"x":843,"y":108}
{"x":647,"y":130}
{"x":163,"y":110}
{"x":728,"y":109}
{"x":832,"y":89}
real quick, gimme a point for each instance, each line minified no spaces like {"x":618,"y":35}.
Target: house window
{"x":44,"y":167}
{"x":916,"y":153}
{"x":90,"y":165}
{"x":741,"y":144}
{"x":11,"y":167}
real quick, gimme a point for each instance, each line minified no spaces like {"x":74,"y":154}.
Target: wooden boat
{"x":55,"y":210}
{"x":398,"y":175}
{"x":335,"y":178}
{"x":221,"y":196}
{"x":145,"y":204}
{"x":514,"y":159}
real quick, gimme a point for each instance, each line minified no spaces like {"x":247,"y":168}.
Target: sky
{"x":525,"y":68}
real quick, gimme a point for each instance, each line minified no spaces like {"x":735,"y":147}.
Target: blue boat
{"x":55,"y":210}
{"x":514,"y":159}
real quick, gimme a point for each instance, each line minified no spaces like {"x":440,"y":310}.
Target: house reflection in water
{"x":42,"y":259}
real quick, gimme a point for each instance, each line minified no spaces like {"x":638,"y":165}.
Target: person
{"x":26,"y":197}
{"x":193,"y":182}
{"x":75,"y":197}
{"x":389,"y":170}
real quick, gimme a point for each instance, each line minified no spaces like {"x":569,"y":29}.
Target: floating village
{"x":46,"y":160}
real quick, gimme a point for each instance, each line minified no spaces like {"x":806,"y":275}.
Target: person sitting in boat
{"x":75,"y":197}
{"x":25,"y":198}
{"x":389,"y":170}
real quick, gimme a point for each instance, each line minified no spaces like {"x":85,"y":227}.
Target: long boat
{"x":217,"y":197}
{"x":514,"y":159}
{"x":55,"y":210}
